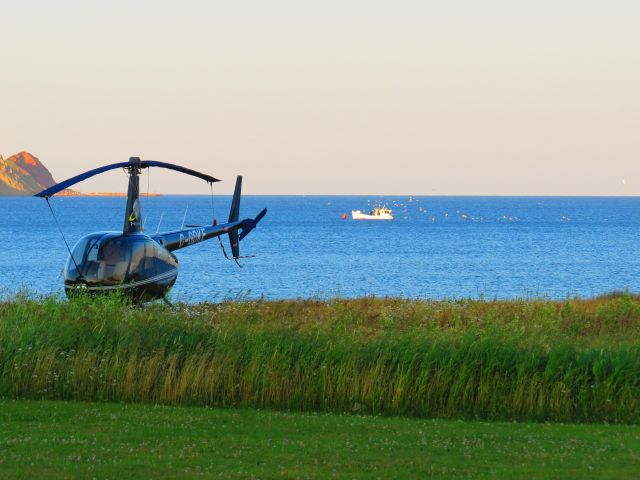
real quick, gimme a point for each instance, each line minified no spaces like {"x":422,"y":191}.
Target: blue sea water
{"x":437,"y":247}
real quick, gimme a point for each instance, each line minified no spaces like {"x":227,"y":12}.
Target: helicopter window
{"x":142,"y":265}
{"x":91,"y":254}
{"x":90,"y":266}
{"x":109,"y":252}
{"x":164,"y":262}
{"x":78,"y":254}
{"x":85,"y":255}
{"x":113,"y":261}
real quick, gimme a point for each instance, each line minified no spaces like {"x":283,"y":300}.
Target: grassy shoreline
{"x":572,"y":361}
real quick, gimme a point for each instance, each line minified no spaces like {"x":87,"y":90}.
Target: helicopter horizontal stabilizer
{"x":250,"y":224}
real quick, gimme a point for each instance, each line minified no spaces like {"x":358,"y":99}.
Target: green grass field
{"x":572,"y":361}
{"x":53,"y":439}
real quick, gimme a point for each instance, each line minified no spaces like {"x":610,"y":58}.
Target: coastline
{"x":73,"y":193}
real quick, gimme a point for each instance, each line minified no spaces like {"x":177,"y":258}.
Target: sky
{"x":335,"y":97}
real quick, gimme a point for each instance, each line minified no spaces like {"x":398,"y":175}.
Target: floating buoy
{"x":344,"y":216}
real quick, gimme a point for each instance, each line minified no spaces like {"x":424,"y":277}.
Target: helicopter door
{"x":142,"y":265}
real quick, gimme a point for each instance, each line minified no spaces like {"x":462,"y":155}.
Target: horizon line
{"x":470,"y":195}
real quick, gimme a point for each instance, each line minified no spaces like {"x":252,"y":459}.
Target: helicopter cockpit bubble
{"x":99,"y":258}
{"x":108,"y":259}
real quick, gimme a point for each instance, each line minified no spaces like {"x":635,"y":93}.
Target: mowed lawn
{"x":55,"y":439}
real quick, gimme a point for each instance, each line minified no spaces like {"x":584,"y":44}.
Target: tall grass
{"x":521,"y":360}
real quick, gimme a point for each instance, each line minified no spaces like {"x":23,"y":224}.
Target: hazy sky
{"x":335,"y":97}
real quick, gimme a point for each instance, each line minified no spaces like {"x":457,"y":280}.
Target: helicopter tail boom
{"x":190,"y":236}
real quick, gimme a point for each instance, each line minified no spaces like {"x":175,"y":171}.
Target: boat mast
{"x":132,"y":214}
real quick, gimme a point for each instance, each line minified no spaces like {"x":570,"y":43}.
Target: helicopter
{"x":140,"y":266}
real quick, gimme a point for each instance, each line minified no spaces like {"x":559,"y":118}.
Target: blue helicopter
{"x":143,"y":267}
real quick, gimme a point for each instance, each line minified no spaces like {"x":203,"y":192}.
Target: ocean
{"x":436,"y":248}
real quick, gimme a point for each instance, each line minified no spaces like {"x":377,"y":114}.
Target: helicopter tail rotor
{"x":241,"y":229}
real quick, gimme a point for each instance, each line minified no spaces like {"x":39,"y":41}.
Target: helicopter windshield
{"x":100,"y":259}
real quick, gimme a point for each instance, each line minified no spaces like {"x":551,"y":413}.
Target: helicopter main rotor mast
{"x":132,"y":213}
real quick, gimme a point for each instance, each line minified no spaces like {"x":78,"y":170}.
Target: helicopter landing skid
{"x":167,"y":302}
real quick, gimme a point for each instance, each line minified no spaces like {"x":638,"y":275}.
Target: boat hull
{"x":358,"y":215}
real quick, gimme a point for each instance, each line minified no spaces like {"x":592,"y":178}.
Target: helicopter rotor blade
{"x":78,"y":178}
{"x":142,"y":164}
{"x":178,"y":168}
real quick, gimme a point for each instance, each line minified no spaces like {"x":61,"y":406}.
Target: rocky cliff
{"x":23,"y":174}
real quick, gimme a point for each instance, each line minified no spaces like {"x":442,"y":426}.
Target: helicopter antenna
{"x":213,"y":210}
{"x":63,"y":237}
{"x":184,"y":217}
{"x":161,"y":215}
{"x":146,"y":201}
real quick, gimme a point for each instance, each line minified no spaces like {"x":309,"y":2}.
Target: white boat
{"x":378,"y":213}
